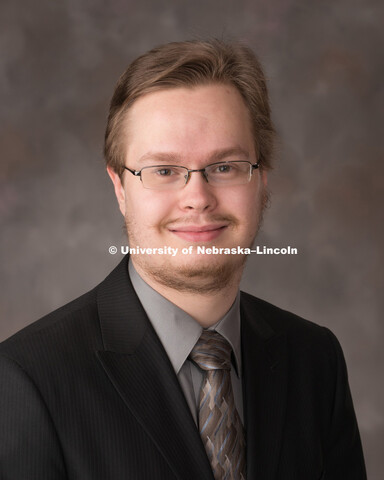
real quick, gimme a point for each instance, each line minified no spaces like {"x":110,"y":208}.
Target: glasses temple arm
{"x":134,"y":172}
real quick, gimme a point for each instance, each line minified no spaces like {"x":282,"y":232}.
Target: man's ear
{"x":119,"y":189}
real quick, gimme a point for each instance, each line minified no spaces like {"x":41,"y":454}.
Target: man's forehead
{"x":216,"y":155}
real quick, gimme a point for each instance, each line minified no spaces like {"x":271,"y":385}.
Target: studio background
{"x":324,"y":63}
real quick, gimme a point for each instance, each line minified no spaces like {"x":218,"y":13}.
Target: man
{"x":164,"y":370}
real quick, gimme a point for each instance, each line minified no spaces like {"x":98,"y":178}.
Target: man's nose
{"x":197,"y":194}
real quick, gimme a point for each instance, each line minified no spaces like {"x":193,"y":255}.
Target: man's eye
{"x":164,"y":172}
{"x":225,"y":168}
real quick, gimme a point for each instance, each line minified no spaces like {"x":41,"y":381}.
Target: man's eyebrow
{"x":175,"y":159}
{"x":222,"y":154}
{"x":167,"y":157}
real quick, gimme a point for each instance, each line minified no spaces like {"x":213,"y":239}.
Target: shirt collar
{"x":178,"y":331}
{"x":229,"y":328}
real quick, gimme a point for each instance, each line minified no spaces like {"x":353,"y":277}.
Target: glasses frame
{"x":137,"y":173}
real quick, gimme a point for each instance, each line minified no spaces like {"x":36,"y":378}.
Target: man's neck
{"x":206,"y":309}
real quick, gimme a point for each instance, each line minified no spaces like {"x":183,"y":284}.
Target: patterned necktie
{"x":219,"y":422}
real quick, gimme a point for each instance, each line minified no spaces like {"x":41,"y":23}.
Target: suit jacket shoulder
{"x":59,"y":331}
{"x":298,"y":396}
{"x":280,"y":320}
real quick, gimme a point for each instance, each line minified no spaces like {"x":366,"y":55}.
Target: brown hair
{"x":189,"y":64}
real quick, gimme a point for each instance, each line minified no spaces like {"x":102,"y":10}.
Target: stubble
{"x":218,"y":273}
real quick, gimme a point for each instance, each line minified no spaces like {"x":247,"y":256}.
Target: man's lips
{"x":199,"y":233}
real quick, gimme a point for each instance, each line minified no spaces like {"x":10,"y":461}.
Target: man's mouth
{"x":199,"y":233}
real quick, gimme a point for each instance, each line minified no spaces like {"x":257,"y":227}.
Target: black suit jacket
{"x":88,"y":393}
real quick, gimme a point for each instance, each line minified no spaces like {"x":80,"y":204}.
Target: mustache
{"x":200,"y":220}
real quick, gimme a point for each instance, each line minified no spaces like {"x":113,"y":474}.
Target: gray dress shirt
{"x":179,"y":332}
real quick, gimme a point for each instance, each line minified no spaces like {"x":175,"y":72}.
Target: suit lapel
{"x":264,"y":390}
{"x":139,"y":369}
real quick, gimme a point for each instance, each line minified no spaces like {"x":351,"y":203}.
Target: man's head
{"x":191,"y":104}
{"x":191,"y":64}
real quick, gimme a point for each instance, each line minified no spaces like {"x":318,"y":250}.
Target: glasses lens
{"x":163,"y":177}
{"x":229,"y":173}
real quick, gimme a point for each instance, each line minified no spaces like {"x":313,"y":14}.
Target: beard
{"x":199,"y":279}
{"x":193,"y":277}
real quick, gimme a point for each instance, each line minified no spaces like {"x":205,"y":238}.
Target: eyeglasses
{"x":220,"y":174}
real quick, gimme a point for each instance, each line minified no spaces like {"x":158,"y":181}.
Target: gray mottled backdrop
{"x":324,"y":60}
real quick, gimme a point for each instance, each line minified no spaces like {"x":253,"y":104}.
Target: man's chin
{"x":202,"y":276}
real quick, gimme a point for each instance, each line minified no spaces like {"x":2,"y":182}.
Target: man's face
{"x":190,"y":127}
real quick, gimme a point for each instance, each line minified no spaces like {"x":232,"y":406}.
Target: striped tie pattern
{"x":220,"y":426}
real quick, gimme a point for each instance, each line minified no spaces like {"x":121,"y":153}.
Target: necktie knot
{"x":212,"y":352}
